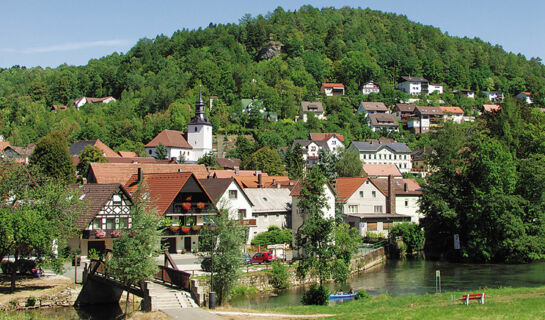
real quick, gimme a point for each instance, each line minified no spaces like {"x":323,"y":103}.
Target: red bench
{"x":477,"y":296}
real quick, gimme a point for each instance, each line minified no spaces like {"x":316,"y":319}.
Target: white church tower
{"x":199,"y":132}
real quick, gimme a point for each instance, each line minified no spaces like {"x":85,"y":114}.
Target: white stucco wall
{"x":408,"y":205}
{"x":387,"y":156}
{"x":372,"y":197}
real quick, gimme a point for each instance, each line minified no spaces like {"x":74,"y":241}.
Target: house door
{"x":187,"y":244}
{"x":169,"y":243}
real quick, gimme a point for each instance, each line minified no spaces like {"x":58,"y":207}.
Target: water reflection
{"x":417,"y":277}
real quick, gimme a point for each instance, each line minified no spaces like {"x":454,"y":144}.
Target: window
{"x":189,"y":221}
{"x":353,"y":208}
{"x":378,"y":209}
{"x":110,"y":223}
{"x":150,"y":152}
{"x":333,"y":142}
{"x":374,"y":194}
{"x":406,"y":203}
{"x":117,"y":200}
{"x":387,"y":225}
{"x":195,"y":129}
{"x":97,"y":224}
{"x":123,"y":223}
{"x":241,"y":214}
{"x":371,"y":226}
{"x":361,"y":194}
{"x":233,"y":194}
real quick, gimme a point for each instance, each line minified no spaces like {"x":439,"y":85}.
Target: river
{"x":416,"y":277}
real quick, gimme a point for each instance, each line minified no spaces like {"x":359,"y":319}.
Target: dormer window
{"x":116,"y":200}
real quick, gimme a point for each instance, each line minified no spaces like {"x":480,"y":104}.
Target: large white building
{"x":413,"y":85}
{"x":190,"y":146}
{"x":378,"y":152}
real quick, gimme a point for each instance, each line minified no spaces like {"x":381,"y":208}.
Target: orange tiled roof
{"x":381,"y":170}
{"x":268,"y":181}
{"x":325,"y":136}
{"x":122,"y":172}
{"x":126,"y":154}
{"x":170,"y":138}
{"x":453,"y":110}
{"x":296,"y":189}
{"x":232,"y":173}
{"x":4,"y":145}
{"x":491,"y":107}
{"x":331,"y":84}
{"x":413,"y":188}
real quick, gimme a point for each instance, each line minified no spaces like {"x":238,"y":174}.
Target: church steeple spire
{"x":200,"y":116}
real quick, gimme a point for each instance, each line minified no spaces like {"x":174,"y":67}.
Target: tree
{"x":134,"y":253}
{"x":222,"y":240}
{"x":266,"y":160}
{"x":349,"y":163}
{"x":208,"y":159}
{"x":411,"y":233}
{"x":52,"y":158}
{"x":88,"y":155}
{"x":328,"y":163}
{"x":315,"y":237}
{"x":244,"y":147}
{"x":40,"y":214}
{"x":273,"y":236}
{"x":295,"y":164}
{"x":160,"y":152}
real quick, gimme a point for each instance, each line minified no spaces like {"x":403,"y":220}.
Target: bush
{"x":206,"y":264}
{"x":31,"y":301}
{"x":316,"y":295}
{"x":23,"y":266}
{"x":92,"y":254}
{"x":363,"y":295}
{"x":273,"y":236}
{"x":412,"y":234}
{"x":279,"y":276}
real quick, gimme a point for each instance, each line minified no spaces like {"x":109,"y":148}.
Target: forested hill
{"x":157,"y":81}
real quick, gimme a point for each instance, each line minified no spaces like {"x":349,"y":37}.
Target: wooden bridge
{"x":169,"y":290}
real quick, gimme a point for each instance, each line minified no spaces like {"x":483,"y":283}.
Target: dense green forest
{"x":157,"y":81}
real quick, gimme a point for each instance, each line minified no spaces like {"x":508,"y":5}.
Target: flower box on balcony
{"x":174,"y":228}
{"x":200,"y":205}
{"x":116,"y":234}
{"x":100,"y":234}
{"x":196,"y":228}
{"x":185,"y":229}
{"x":186,"y":205}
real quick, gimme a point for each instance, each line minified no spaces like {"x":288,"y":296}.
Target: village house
{"x":264,"y":181}
{"x":127,"y":154}
{"x":298,"y":216}
{"x":382,"y":121}
{"x":369,"y":87}
{"x":378,"y":152}
{"x":77,"y":147}
{"x":191,"y":146}
{"x":332,"y":89}
{"x":525,"y":96}
{"x":81,"y":101}
{"x":434,"y":88}
{"x":183,"y":203}
{"x":256,"y":105}
{"x":403,"y":112}
{"x":413,"y":85}
{"x":465,"y":92}
{"x":407,"y":194}
{"x":454,"y":114}
{"x":316,"y":108}
{"x":367,"y":108}
{"x":271,"y":207}
{"x":491,"y":108}
{"x":424,"y":119}
{"x":334,"y":141}
{"x":229,"y":195}
{"x":376,"y":170}
{"x":228,"y":163}
{"x":366,"y":206}
{"x":17,"y":154}
{"x":105,"y":213}
{"x":310,"y":150}
{"x":420,"y":161}
{"x":235,"y":173}
{"x":494,"y":96}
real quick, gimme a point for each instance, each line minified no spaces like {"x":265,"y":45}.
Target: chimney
{"x":391,"y":199}
{"x":259,"y":181}
{"x":140,"y":175}
{"x":236,"y":170}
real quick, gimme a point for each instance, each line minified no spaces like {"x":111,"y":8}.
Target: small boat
{"x":342,"y":296}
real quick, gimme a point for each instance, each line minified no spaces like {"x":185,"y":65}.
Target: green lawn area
{"x":505,"y":303}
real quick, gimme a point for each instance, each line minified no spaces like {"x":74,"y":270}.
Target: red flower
{"x":185,"y":229}
{"x":186,"y":205}
{"x":200,"y":205}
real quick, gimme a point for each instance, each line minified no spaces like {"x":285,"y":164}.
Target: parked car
{"x":263,"y":257}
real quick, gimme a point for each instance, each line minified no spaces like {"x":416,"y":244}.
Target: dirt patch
{"x":157,"y":315}
{"x":36,"y":287}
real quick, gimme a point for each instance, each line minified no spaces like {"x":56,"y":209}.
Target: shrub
{"x":412,"y":234}
{"x":273,"y":236}
{"x":31,"y":301}
{"x":279,"y":276}
{"x":92,"y":254}
{"x":316,"y":295}
{"x":363,"y":295}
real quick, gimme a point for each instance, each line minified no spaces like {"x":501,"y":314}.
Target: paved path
{"x":272,"y":315}
{"x":190,"y":313}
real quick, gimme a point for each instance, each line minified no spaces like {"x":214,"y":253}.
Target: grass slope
{"x":505,"y":303}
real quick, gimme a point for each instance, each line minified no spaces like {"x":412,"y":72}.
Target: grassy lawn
{"x":506,"y":303}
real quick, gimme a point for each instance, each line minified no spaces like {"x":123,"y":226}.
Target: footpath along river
{"x":416,"y":277}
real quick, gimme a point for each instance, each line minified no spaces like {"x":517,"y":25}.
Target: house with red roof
{"x":453,"y":113}
{"x":182,"y":200}
{"x":81,"y":101}
{"x":332,"y":89}
{"x":525,"y":96}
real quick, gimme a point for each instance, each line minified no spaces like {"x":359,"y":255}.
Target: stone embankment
{"x":65,"y":298}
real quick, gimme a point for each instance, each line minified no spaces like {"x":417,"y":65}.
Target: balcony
{"x":93,"y":234}
{"x":192,"y":208}
{"x":183,"y":230}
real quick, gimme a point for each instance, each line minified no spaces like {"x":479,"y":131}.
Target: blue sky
{"x":50,"y":33}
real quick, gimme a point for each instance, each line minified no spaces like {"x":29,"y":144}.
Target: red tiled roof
{"x":296,"y":189}
{"x":325,"y":136}
{"x":413,"y":188}
{"x":58,"y":107}
{"x":491,"y":107}
{"x":381,"y":170}
{"x":4,"y":145}
{"x":526,"y":93}
{"x":453,"y":110}
{"x":330,"y":84}
{"x":170,"y":138}
{"x":233,"y":173}
{"x":140,"y":160}
{"x":267,"y":181}
{"x":127,"y":154}
{"x":122,"y":172}
{"x":228,"y":163}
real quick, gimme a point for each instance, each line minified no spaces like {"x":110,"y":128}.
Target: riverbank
{"x":503,"y":303}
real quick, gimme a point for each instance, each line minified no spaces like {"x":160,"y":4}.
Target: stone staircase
{"x":165,"y":297}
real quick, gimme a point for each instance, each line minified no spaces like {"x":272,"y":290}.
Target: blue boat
{"x":342,"y":296}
